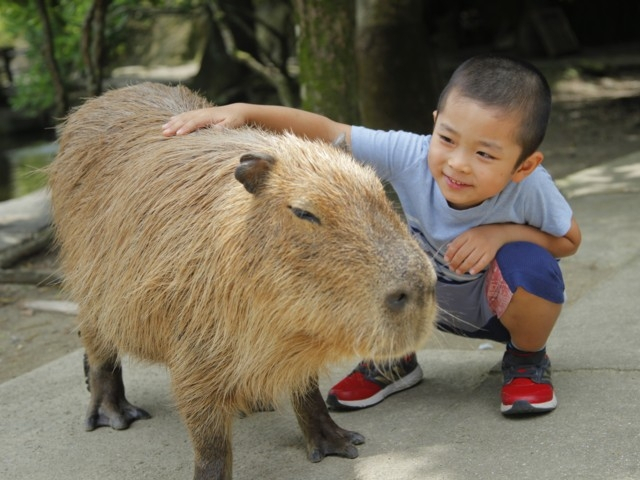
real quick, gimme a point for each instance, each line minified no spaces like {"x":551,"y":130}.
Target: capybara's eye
{"x":304,"y":215}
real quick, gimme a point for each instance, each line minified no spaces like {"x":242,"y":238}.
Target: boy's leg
{"x":530,"y":319}
{"x":526,"y":280}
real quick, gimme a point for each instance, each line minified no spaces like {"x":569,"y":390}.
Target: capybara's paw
{"x":118,"y":417}
{"x":338,"y":442}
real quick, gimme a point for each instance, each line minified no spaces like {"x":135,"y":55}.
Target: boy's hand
{"x":477,"y":247}
{"x":228,"y":116}
{"x":473,"y":250}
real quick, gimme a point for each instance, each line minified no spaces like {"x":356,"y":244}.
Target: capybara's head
{"x":329,"y":257}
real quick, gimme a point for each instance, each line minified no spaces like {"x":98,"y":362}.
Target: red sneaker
{"x":369,"y":384}
{"x":527,"y":383}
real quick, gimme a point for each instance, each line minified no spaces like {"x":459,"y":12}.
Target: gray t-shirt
{"x":400,"y":158}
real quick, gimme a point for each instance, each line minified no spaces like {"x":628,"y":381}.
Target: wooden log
{"x":34,"y":277}
{"x":37,"y":242}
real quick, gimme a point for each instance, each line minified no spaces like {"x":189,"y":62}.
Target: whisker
{"x":442,"y":313}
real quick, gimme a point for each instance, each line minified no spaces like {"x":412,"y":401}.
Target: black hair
{"x":509,"y":84}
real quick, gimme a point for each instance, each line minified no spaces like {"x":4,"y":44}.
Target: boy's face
{"x":474,"y":151}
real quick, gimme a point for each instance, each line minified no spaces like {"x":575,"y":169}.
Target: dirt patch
{"x":596,"y":119}
{"x":30,"y":337}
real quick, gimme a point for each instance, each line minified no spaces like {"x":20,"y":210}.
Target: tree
{"x":49,"y":28}
{"x":269,"y":54}
{"x":397,"y":82}
{"x":328,"y":78}
{"x":51,"y":61}
{"x":93,"y":36}
{"x":67,"y":42}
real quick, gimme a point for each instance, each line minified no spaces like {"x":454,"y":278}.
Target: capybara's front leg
{"x":321,"y":433}
{"x":210,"y":431}
{"x":109,"y":407}
{"x":213,"y":458}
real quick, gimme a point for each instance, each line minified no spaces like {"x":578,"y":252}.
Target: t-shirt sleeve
{"x":545,"y":207}
{"x":389,"y":152}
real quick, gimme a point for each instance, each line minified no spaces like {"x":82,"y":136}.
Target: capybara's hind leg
{"x":321,"y":433}
{"x":109,"y":406}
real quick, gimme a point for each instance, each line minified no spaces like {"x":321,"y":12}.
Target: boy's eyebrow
{"x":491,"y":145}
{"x":486,"y":143}
{"x":447,"y":127}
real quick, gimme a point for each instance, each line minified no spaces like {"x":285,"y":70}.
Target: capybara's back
{"x":244,"y":260}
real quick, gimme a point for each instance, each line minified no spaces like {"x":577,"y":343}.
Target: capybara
{"x":244,"y":261}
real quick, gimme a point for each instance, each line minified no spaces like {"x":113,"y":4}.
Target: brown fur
{"x":172,"y":260}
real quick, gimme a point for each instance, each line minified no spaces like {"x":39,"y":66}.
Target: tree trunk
{"x":328,"y":80}
{"x":93,"y":45}
{"x":395,"y":66}
{"x":85,"y":46}
{"x":97,"y":44}
{"x":48,"y":50}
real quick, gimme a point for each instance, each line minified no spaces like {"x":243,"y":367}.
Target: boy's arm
{"x":271,"y":117}
{"x":476,"y":248}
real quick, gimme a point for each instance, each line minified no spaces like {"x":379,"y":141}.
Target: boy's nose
{"x":458,"y":162}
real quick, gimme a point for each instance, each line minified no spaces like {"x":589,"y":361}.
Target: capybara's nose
{"x":397,"y":300}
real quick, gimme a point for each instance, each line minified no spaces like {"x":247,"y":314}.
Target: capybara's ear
{"x":253,"y":170}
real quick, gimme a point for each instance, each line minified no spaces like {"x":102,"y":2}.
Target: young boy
{"x":477,"y":199}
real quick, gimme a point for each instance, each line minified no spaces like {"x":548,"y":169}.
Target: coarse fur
{"x":173,"y":260}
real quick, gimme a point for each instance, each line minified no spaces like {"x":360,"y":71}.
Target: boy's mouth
{"x":453,"y":183}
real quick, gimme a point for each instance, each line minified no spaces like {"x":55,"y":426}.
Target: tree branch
{"x":62,"y":104}
{"x":269,"y":71}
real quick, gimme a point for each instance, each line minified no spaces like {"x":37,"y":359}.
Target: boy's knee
{"x":533,"y":268}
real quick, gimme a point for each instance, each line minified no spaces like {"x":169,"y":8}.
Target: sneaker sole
{"x":404,"y":383}
{"x":522,"y":407}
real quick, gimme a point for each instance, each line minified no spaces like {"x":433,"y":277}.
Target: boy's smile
{"x":474,"y":151}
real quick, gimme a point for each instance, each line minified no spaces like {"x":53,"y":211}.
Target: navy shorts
{"x":473,"y":309}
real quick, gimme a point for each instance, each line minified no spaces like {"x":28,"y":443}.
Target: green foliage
{"x":33,"y":92}
{"x":21,"y":23}
{"x":5,"y":37}
{"x":30,"y":174}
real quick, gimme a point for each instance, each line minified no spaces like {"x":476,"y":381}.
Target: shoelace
{"x":368,"y":369}
{"x":536,"y":372}
{"x":387,"y":371}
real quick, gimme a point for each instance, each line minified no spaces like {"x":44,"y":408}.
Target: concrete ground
{"x":448,"y":427}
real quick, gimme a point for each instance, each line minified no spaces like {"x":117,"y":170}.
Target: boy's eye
{"x":486,"y":155}
{"x":446,"y":139}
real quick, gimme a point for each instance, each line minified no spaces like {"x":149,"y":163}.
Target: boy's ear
{"x":527,"y":167}
{"x":435,"y":116}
